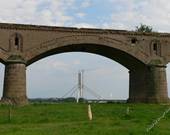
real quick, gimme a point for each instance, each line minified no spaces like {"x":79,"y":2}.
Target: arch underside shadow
{"x":117,"y":55}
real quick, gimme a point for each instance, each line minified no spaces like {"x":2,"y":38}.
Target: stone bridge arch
{"x":126,"y":54}
{"x":144,"y":54}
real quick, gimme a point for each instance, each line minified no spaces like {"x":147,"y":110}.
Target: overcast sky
{"x":55,"y":75}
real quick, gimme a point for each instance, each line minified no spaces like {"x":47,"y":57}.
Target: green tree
{"x":144,"y":28}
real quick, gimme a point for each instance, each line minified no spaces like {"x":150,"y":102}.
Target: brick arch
{"x":119,"y":51}
{"x":147,"y":71}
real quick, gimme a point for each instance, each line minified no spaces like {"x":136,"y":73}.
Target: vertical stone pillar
{"x":148,"y":85}
{"x":137,"y":86}
{"x":157,"y":90}
{"x":15,"y":83}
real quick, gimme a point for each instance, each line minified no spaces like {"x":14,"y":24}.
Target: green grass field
{"x":71,"y":119}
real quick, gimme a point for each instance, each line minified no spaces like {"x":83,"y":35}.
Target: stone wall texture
{"x":15,"y":83}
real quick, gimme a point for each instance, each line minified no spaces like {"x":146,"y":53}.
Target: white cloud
{"x":84,"y":25}
{"x":76,"y":62}
{"x":151,"y":12}
{"x":86,"y":3}
{"x":59,"y":65}
{"x":36,"y":12}
{"x":81,"y":15}
{"x":49,"y":64}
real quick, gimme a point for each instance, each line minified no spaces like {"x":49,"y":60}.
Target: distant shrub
{"x":144,"y":28}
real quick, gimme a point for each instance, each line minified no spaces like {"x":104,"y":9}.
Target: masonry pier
{"x":15,"y":83}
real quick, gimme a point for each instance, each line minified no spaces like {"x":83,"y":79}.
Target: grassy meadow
{"x":71,"y":119}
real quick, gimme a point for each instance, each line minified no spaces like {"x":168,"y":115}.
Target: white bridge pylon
{"x":80,"y":85}
{"x":80,"y":88}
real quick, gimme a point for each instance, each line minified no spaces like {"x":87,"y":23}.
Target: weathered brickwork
{"x":15,"y":83}
{"x":148,"y":85}
{"x":144,"y":54}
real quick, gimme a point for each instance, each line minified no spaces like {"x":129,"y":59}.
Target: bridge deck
{"x":74,"y":29}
